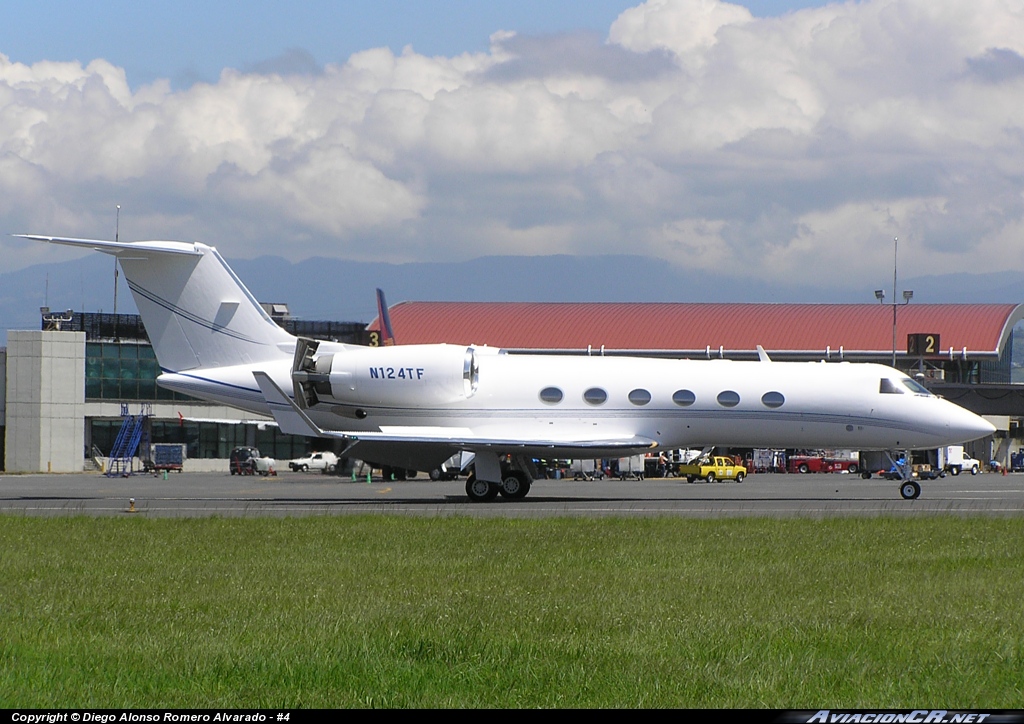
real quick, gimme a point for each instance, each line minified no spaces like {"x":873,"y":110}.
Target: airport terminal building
{"x":70,"y":384}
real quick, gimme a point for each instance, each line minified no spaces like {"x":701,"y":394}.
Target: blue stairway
{"x":122,"y":455}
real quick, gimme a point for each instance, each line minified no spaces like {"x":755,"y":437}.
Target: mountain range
{"x":338,"y":290}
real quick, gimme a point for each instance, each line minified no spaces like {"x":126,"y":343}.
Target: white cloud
{"x":694,"y":132}
{"x":685,"y":27}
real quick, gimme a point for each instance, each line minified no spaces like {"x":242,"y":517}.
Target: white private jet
{"x":415,"y":406}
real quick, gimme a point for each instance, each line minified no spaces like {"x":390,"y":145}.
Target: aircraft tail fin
{"x":197,"y":313}
{"x":387,"y":334}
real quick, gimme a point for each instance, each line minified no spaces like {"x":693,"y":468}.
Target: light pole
{"x":907,"y":296}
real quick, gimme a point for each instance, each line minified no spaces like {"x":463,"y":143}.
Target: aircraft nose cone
{"x":967,"y":426}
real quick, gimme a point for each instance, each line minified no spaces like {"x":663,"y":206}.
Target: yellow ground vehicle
{"x":717,"y":467}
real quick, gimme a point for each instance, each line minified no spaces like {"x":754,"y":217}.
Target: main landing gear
{"x":514,"y":484}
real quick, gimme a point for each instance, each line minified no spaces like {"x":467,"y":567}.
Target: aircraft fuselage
{"x":674,"y":403}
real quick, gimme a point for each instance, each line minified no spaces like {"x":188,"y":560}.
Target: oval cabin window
{"x":595,"y":396}
{"x":728,"y":398}
{"x":639,"y":397}
{"x":683,"y":398}
{"x":551,"y":395}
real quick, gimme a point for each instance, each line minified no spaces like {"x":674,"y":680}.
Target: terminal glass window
{"x":273,"y":443}
{"x":203,"y":439}
{"x":123,"y":371}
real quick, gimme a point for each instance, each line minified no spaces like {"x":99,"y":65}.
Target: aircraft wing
{"x":437,"y":444}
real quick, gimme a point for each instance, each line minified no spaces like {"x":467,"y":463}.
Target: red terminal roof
{"x":866,"y":328}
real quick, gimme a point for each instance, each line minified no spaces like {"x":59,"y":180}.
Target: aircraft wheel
{"x":910,"y":490}
{"x":514,"y":485}
{"x":480,"y":491}
{"x":710,"y":478}
{"x":739,"y":477}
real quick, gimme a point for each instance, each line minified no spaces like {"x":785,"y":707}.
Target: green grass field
{"x":460,"y":612}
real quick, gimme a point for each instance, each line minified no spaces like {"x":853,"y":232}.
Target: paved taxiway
{"x":300,"y":494}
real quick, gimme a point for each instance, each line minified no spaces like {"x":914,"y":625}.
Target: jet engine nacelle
{"x":407,"y":376}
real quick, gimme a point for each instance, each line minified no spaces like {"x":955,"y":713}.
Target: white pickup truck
{"x":954,"y":460}
{"x":325,"y":462}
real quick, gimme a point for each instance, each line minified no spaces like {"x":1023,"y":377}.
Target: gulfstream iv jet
{"x":415,"y":406}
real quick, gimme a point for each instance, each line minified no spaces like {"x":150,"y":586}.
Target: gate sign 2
{"x":923,"y":345}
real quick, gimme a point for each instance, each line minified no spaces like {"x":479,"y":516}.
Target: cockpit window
{"x":916,"y":387}
{"x":888,"y":387}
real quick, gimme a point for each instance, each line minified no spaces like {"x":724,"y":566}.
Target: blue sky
{"x":186,"y":40}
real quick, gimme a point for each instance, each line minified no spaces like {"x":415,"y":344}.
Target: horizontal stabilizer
{"x":119,"y":247}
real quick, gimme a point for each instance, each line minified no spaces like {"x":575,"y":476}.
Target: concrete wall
{"x":3,"y":388}
{"x":45,"y":429}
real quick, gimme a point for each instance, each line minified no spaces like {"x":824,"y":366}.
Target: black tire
{"x":955,"y":470}
{"x":802,"y":468}
{"x":974,"y":470}
{"x":515,"y":485}
{"x":710,"y":477}
{"x":690,"y":478}
{"x":853,"y":469}
{"x":480,"y":491}
{"x":910,"y":490}
{"x":739,"y":477}
{"x":436,"y":474}
{"x":304,"y":468}
{"x":331,"y":469}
